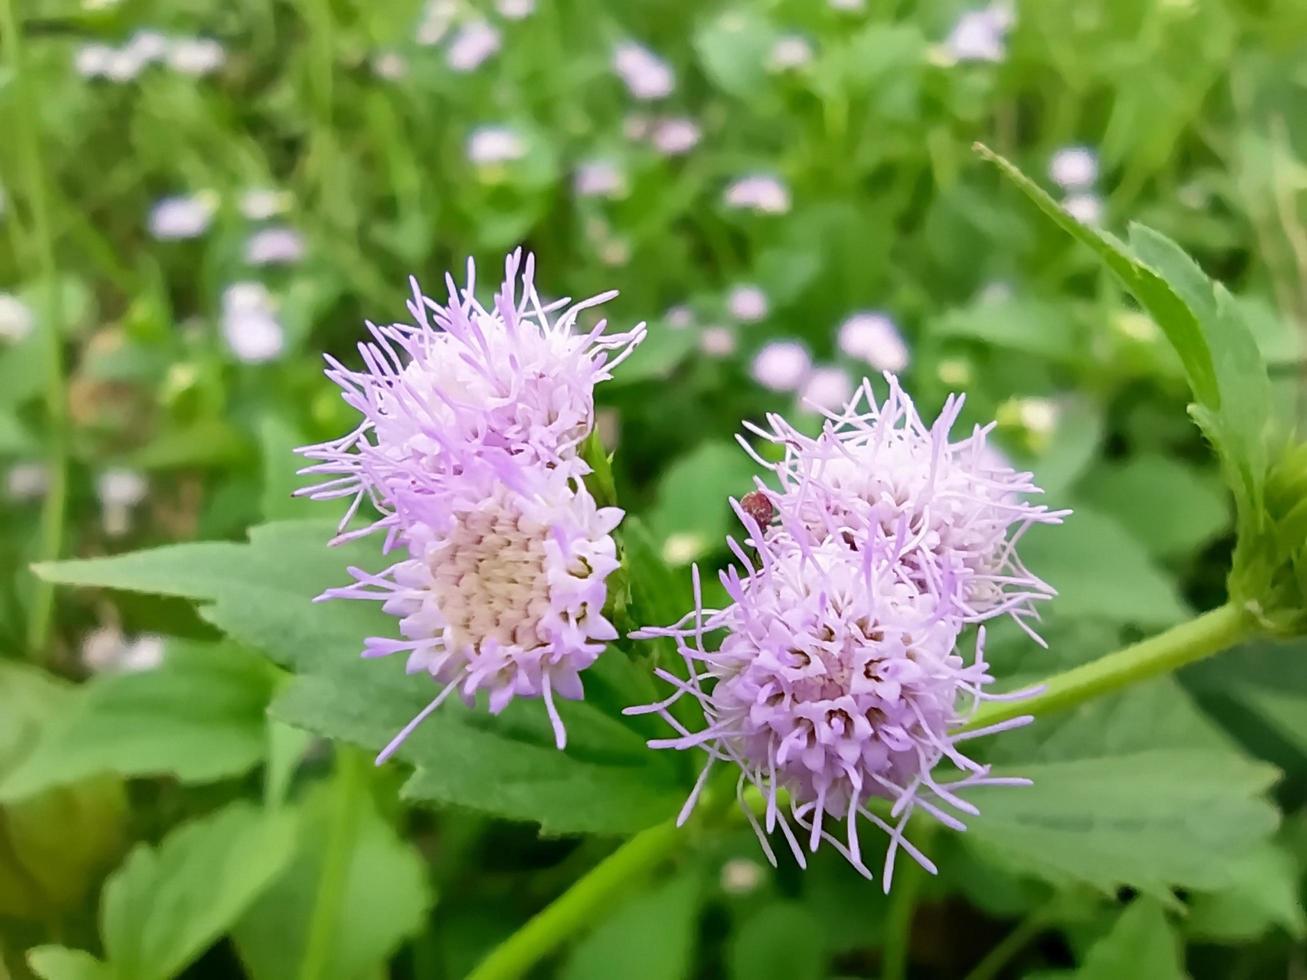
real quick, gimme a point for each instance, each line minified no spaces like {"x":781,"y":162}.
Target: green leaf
{"x":1150,"y":820}
{"x":650,"y":936}
{"x":277,"y":441}
{"x":733,"y":49}
{"x":384,"y":897}
{"x":1237,"y":420}
{"x":781,"y":941}
{"x":165,"y":906}
{"x":1263,"y":895}
{"x":62,"y":963}
{"x":1016,"y":323}
{"x":58,"y":842}
{"x":260,"y":594}
{"x":1170,"y":507}
{"x":1099,"y":570}
{"x":1141,"y":945}
{"x":692,"y":515}
{"x":658,"y":355}
{"x":1167,"y":308}
{"x":197,"y":717}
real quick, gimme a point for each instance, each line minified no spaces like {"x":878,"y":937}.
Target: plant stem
{"x":1201,"y":637}
{"x":903,"y":905}
{"x":351,"y":769}
{"x":27,"y":139}
{"x":579,"y":905}
{"x":1011,"y":944}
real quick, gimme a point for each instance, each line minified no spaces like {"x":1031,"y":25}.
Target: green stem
{"x":25,"y":124}
{"x":1011,"y":944}
{"x":1201,"y":637}
{"x":351,"y":769}
{"x":903,"y":905}
{"x":578,"y":906}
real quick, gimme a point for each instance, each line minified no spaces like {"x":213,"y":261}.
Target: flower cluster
{"x":469,"y":449}
{"x":837,"y":686}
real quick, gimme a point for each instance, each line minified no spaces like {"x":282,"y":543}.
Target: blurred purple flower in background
{"x":183,"y":216}
{"x":762,"y":193}
{"x":873,"y":338}
{"x":646,"y":76}
{"x":782,"y":365}
{"x":274,"y":246}
{"x":472,"y":45}
{"x":747,"y":303}
{"x":250,"y":324}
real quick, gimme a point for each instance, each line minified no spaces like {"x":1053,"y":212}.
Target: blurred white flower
{"x":679,"y":317}
{"x":645,"y":75}
{"x":782,"y":365}
{"x":1038,"y":416}
{"x":124,"y":66}
{"x":437,"y":18}
{"x":979,"y":35}
{"x":490,"y":145}
{"x":1086,"y":208}
{"x":761,"y":193}
{"x":615,"y":252}
{"x":250,"y":325}
{"x":827,"y":389}
{"x":106,"y":650}
{"x":747,"y":303}
{"x":873,"y":338}
{"x":119,"y":491}
{"x":274,"y":246}
{"x":741,"y":876}
{"x":196,"y":56}
{"x":997,"y":291}
{"x":675,"y":135}
{"x":515,"y":9}
{"x":27,"y":481}
{"x":16,"y":318}
{"x":471,"y":45}
{"x":148,"y":46}
{"x":1073,"y":167}
{"x":261,"y":203}
{"x":390,"y":65}
{"x":599,"y":178}
{"x":183,"y":216}
{"x":683,"y":547}
{"x":92,"y":60}
{"x":717,"y":341}
{"x":789,"y":52}
{"x":954,"y":371}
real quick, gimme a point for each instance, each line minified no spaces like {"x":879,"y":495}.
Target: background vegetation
{"x":160,"y":333}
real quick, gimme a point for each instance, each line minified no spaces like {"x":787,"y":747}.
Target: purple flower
{"x":472,"y":418}
{"x":837,"y":681}
{"x":646,"y":76}
{"x":782,"y":365}
{"x":467,"y":386}
{"x":502,"y":591}
{"x":760,"y":193}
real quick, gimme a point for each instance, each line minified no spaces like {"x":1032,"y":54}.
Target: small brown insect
{"x":757,"y":506}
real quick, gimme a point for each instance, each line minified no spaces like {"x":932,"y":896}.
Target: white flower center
{"x":490,"y":580}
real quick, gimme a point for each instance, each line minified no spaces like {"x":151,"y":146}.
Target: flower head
{"x":789,"y":52}
{"x":472,"y":45}
{"x":675,"y":136}
{"x":274,"y":246}
{"x":468,"y":386}
{"x":979,"y":35}
{"x":837,"y":680}
{"x":1073,"y":167}
{"x":502,"y":590}
{"x":827,"y":389}
{"x":747,"y":303}
{"x":468,"y":448}
{"x":16,"y":318}
{"x":646,"y":76}
{"x":182,"y":216}
{"x":489,"y":146}
{"x":250,"y":324}
{"x":782,"y":365}
{"x":196,"y":56}
{"x":873,"y":337}
{"x":761,"y":193}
